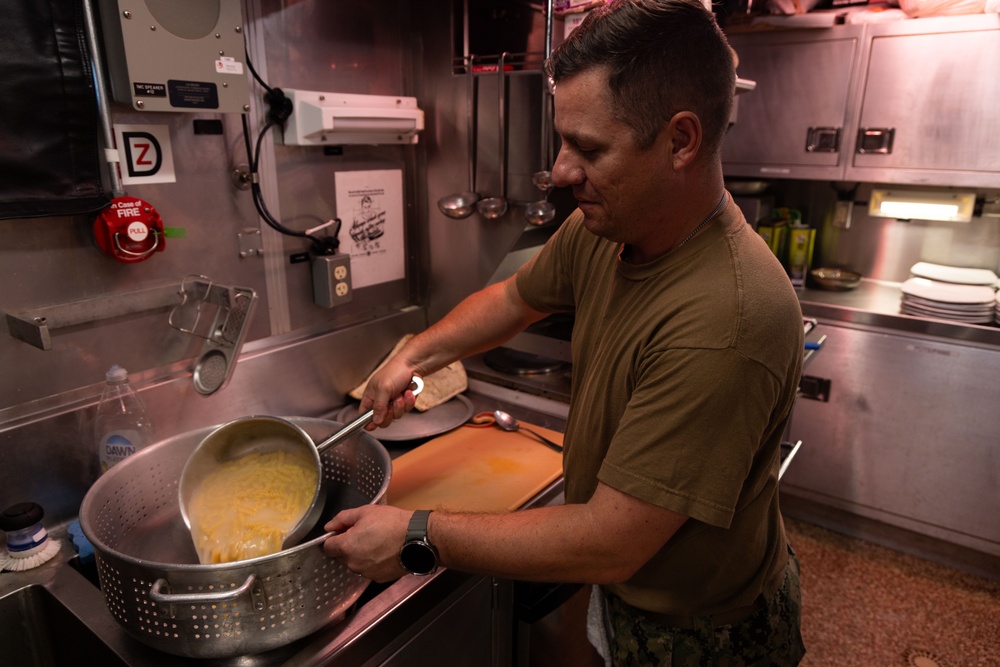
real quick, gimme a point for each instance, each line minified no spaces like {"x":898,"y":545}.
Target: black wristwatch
{"x":418,"y":555}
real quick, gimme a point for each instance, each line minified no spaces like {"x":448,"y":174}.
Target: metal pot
{"x":158,"y":592}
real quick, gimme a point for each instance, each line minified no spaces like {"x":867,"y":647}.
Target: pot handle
{"x":362,"y":421}
{"x":158,"y":595}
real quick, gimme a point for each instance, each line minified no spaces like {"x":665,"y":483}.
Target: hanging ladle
{"x":492,"y":208}
{"x":462,"y":204}
{"x":263,"y":435}
{"x":542,"y":212}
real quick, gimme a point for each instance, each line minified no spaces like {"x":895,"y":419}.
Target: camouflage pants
{"x":769,"y":637}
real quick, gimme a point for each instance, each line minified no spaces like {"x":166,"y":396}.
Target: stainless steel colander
{"x":149,"y":569}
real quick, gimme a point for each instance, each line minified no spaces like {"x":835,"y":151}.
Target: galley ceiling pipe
{"x":101,"y":88}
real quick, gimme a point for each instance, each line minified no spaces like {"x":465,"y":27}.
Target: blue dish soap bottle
{"x":121,"y":427}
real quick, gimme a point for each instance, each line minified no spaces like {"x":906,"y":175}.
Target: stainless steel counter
{"x":875,"y":303}
{"x":44,"y":604}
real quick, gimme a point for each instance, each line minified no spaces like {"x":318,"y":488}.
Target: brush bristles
{"x":30,"y":559}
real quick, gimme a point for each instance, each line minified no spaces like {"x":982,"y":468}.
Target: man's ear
{"x":686,"y":135}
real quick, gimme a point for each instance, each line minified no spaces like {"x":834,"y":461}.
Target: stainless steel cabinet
{"x":909,"y":436}
{"x":908,"y":102}
{"x":931,"y":103}
{"x":792,"y":124}
{"x":472,"y":627}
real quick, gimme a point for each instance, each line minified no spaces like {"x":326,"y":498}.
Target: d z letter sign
{"x":144,"y":154}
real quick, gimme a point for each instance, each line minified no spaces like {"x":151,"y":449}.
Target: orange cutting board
{"x":475,"y":470}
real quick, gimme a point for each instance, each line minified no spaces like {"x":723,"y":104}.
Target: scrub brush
{"x":28,"y":543}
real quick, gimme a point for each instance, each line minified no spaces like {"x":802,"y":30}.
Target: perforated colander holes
{"x":340,"y":473}
{"x":325,"y":591}
{"x":286,"y":602}
{"x":370,"y":482}
{"x":160,"y":628}
{"x":370,"y":476}
{"x":111,"y":585}
{"x":144,"y":607}
{"x":211,"y":620}
{"x":203,"y":624}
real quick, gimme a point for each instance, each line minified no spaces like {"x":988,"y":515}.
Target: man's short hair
{"x":662,"y":57}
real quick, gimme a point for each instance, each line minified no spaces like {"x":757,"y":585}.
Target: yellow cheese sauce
{"x":246,"y":507}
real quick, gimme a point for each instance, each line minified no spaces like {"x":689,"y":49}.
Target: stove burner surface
{"x":513,"y":362}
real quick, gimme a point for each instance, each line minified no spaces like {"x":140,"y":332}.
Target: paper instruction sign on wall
{"x":370,"y":207}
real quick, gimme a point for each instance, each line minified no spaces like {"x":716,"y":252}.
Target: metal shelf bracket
{"x":35,"y":326}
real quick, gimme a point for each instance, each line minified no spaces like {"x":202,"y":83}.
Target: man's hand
{"x":369,"y":540}
{"x":388,"y":393}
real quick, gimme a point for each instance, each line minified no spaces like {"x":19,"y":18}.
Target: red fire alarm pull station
{"x":130,"y":230}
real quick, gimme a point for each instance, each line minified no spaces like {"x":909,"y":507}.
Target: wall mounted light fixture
{"x":922,"y":205}
{"x":336,"y":118}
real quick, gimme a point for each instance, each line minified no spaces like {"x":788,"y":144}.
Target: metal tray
{"x":415,"y":425}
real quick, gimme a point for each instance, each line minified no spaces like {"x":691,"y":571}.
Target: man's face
{"x":623,"y":191}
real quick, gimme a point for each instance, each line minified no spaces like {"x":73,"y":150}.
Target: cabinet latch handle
{"x":823,"y":140}
{"x":876,"y":140}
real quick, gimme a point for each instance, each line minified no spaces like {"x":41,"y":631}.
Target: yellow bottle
{"x":800,"y":250}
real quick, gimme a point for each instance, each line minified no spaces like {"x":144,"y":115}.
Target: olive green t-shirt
{"x":684,"y":373}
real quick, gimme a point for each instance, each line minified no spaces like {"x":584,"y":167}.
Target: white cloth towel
{"x":598,"y":624}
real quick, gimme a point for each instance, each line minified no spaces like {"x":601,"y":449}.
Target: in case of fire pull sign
{"x":129,"y":230}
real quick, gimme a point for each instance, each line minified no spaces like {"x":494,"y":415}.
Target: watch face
{"x":418,"y":558}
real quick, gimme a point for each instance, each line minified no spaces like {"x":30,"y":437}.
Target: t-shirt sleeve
{"x":545,"y":282}
{"x":690,"y":430}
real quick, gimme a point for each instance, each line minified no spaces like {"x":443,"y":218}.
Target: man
{"x":687,"y":350}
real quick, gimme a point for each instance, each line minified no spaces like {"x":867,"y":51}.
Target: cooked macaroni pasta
{"x":247,"y":506}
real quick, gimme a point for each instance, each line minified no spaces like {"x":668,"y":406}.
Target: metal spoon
{"x":459,"y":205}
{"x":463,"y":204}
{"x":538,"y":213}
{"x":507,"y":422}
{"x":542,"y":212}
{"x":542,"y":180}
{"x":492,"y":208}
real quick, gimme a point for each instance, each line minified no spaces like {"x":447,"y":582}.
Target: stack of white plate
{"x":951,"y":293}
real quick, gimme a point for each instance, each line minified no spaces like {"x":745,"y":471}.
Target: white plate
{"x":947,"y":292}
{"x":953,"y":274}
{"x":957,"y":308}
{"x":965,"y":319}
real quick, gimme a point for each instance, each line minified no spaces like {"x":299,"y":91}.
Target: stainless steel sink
{"x":56,"y":614}
{"x":38,"y":630}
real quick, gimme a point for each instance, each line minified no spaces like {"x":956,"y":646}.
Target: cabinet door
{"x":792,"y":125}
{"x":908,"y":436}
{"x":935,"y":85}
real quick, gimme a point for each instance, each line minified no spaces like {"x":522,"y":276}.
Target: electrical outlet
{"x":332,"y":280}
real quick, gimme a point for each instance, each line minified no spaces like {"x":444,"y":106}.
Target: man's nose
{"x":564,"y":172}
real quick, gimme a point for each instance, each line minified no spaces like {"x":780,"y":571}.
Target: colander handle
{"x":157,"y":594}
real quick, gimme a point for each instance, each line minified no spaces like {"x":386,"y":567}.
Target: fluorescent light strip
{"x":922,"y":205}
{"x":921,"y":211}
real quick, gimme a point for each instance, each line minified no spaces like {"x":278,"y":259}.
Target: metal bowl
{"x":155,"y":587}
{"x":747,"y":188}
{"x":835,"y":280}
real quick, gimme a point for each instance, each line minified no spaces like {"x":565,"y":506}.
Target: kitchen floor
{"x":868,"y":606}
{"x":863,"y":605}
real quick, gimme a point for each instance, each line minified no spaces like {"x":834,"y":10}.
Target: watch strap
{"x":417,"y":528}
